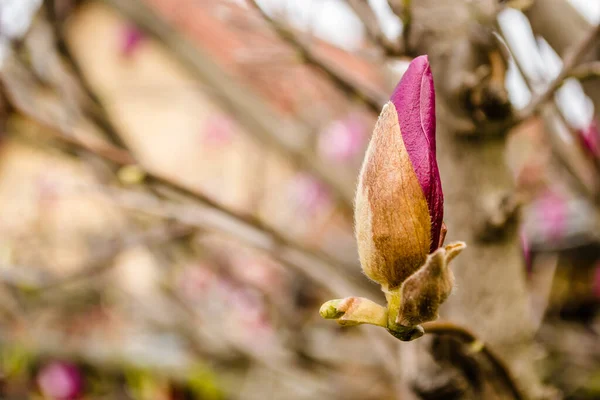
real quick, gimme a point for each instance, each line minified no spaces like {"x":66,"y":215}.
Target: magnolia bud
{"x":398,"y":216}
{"x":399,"y":200}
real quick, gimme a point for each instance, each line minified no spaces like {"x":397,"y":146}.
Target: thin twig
{"x":204,"y":217}
{"x":365,"y":13}
{"x":18,"y":84}
{"x":559,"y":155}
{"x":570,"y":61}
{"x":402,"y":10}
{"x":585,"y":71}
{"x":277,"y":365}
{"x":372,"y":98}
{"x":250,"y":110}
{"x":98,"y":111}
{"x":448,"y":328}
{"x":153,"y":237}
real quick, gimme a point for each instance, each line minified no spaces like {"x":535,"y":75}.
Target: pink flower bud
{"x":552,"y":210}
{"x":399,"y":200}
{"x":60,"y":381}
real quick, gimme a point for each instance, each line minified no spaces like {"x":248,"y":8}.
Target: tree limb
{"x":251,"y":111}
{"x":562,"y":26}
{"x":588,"y":70}
{"x":365,"y":13}
{"x":248,"y":228}
{"x":572,"y":57}
{"x":464,"y":334}
{"x":372,"y":98}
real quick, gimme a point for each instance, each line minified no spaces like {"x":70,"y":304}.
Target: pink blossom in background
{"x":60,"y":381}
{"x":250,"y":312}
{"x":195,"y":280}
{"x":552,"y":212}
{"x":218,"y":130}
{"x":48,"y":190}
{"x":131,"y":37}
{"x":590,"y":138}
{"x":308,"y":193}
{"x":343,"y":139}
{"x":256,"y":272}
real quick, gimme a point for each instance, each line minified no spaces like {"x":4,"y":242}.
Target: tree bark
{"x":490,"y":297}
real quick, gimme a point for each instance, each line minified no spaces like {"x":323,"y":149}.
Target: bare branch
{"x":366,"y":14}
{"x":373,"y":99}
{"x":561,"y":25}
{"x":21,"y":92}
{"x":554,"y":118}
{"x":448,"y":328}
{"x":589,"y":70}
{"x":570,"y":61}
{"x":252,"y":112}
{"x":153,"y":237}
{"x":205,"y":217}
{"x":401,"y":9}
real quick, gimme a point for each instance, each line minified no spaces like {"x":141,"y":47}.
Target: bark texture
{"x":490,"y":297}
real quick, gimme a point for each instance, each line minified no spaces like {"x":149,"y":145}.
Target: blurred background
{"x":176,"y":184}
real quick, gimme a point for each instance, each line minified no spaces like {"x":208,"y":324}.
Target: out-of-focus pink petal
{"x":590,"y":138}
{"x":130,"y":40}
{"x":219,"y":130}
{"x":60,"y":381}
{"x":342,"y":139}
{"x":552,"y":209}
{"x":526,"y":248}
{"x":414,"y":99}
{"x":308,"y":193}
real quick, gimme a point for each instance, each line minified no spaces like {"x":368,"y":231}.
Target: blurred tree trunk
{"x":490,"y":297}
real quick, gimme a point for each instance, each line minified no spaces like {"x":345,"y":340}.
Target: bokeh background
{"x":176,"y":183}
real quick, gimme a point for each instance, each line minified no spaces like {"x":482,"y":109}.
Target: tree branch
{"x":372,"y":98}
{"x":588,"y":70}
{"x":562,"y":26}
{"x":554,"y":117}
{"x":573,"y":56}
{"x":365,"y":13}
{"x":97,"y":110}
{"x":251,"y":111}
{"x":314,"y":263}
{"x":465,"y":335}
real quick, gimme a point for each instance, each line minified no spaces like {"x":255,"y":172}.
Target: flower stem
{"x":404,"y":333}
